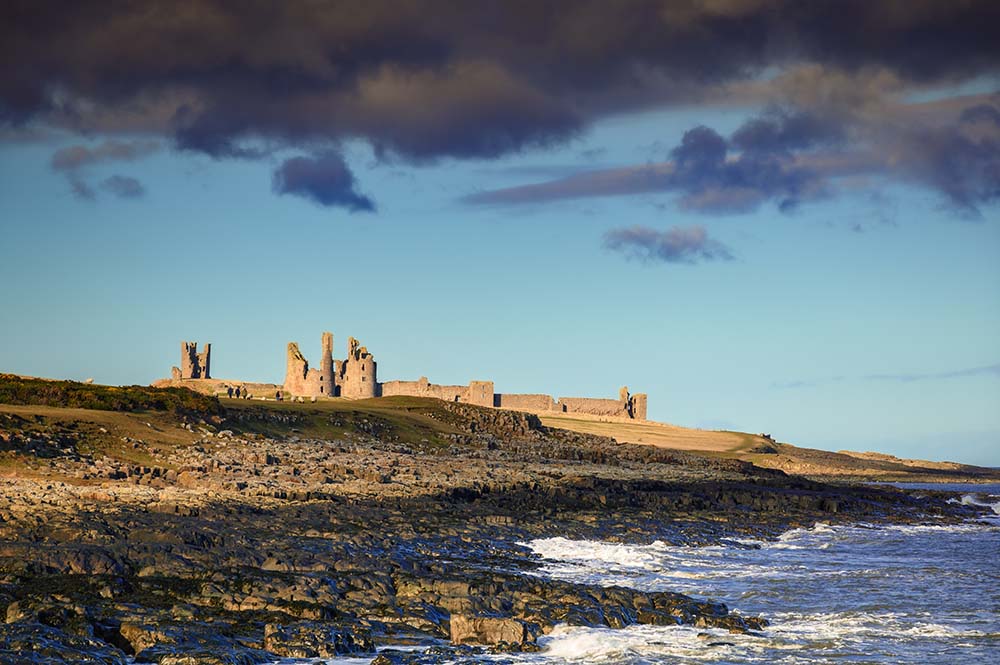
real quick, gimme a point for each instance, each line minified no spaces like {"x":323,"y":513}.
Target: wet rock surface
{"x":240,"y":547}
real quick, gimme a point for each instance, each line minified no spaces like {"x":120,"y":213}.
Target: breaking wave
{"x":851,"y":594}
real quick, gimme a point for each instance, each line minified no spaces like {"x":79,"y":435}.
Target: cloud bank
{"x":424,"y":80}
{"x":479,"y":80}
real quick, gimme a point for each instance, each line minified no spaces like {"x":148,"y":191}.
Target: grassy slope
{"x":157,"y":417}
{"x":788,"y":458}
{"x":657,"y":434}
{"x":417,"y":421}
{"x":142,"y":436}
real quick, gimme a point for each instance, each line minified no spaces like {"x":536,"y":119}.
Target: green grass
{"x":25,"y":391}
{"x":419,"y":422}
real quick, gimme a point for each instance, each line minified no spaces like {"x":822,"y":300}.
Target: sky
{"x":770,"y":216}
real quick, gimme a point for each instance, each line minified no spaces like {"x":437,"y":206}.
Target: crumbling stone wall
{"x":524,"y":402}
{"x":477,"y":392}
{"x":194,"y":365}
{"x":423,"y":388}
{"x":626,"y":406}
{"x":595,"y":407}
{"x":481,"y":393}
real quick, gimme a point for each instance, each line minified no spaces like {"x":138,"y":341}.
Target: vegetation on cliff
{"x":28,"y":391}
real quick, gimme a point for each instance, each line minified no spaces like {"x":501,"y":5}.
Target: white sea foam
{"x":845,"y":583}
{"x":790,"y":636}
{"x":989,"y":502}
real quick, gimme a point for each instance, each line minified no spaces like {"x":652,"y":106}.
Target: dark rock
{"x":307,"y":639}
{"x":34,"y":643}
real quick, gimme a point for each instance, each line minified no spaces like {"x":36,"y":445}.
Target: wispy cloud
{"x":679,"y":244}
{"x":987,"y":370}
{"x":74,"y":161}
{"x":902,"y":377}
{"x":75,"y":157}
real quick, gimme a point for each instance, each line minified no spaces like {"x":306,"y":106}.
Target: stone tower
{"x":194,"y":365}
{"x":357,"y":372}
{"x":326,"y":377}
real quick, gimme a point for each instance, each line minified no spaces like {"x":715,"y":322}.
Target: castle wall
{"x":524,"y":402}
{"x":423,"y":388}
{"x":596,"y":407}
{"x":220,"y":386}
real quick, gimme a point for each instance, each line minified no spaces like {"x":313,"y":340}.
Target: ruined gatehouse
{"x":194,"y":365}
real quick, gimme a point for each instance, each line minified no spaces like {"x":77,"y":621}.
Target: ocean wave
{"x":809,"y":635}
{"x":988,"y":501}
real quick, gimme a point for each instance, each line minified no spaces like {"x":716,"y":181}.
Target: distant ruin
{"x":355,"y":377}
{"x":194,"y":365}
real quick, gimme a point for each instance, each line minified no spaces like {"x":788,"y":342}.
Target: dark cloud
{"x":679,"y":244}
{"x":704,"y":171}
{"x":786,"y":130}
{"x":124,"y":187}
{"x":981,"y":113}
{"x":424,"y":79}
{"x":711,"y":180}
{"x":788,"y":157}
{"x":324,"y":179}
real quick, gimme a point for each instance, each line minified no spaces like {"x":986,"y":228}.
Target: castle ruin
{"x":355,"y":377}
{"x":194,"y":365}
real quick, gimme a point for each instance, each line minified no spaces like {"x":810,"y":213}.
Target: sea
{"x":861,"y":593}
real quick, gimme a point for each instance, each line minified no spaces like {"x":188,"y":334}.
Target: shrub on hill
{"x":21,"y":390}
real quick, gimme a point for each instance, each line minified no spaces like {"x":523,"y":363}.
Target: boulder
{"x":489,"y":630}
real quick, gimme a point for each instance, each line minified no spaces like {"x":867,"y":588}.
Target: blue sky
{"x":836,"y":307}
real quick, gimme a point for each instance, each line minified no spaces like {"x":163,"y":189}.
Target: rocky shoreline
{"x":252,"y":541}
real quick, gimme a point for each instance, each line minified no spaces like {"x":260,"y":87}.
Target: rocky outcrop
{"x":489,"y":630}
{"x":34,"y":643}
{"x":313,"y":640}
